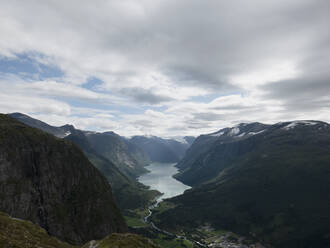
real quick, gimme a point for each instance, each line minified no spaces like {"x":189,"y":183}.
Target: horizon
{"x":178,"y":136}
{"x":165,"y":68}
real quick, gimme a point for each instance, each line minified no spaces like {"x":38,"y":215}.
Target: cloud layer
{"x":165,"y":67}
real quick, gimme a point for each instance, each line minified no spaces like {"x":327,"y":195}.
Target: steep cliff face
{"x":50,"y":182}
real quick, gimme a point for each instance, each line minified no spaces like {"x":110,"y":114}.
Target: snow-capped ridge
{"x":293,"y":124}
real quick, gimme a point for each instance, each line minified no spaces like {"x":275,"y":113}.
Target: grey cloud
{"x":144,"y":96}
{"x":209,"y":116}
{"x":191,"y":42}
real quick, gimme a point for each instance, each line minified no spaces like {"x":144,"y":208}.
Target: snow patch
{"x":295,"y":123}
{"x":241,"y":135}
{"x":67,"y":133}
{"x":179,"y":139}
{"x":254,"y":133}
{"x":234,"y":131}
{"x":217,"y":134}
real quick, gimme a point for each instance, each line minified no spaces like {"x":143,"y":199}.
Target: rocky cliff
{"x":50,"y":182}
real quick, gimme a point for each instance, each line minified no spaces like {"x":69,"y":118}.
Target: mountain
{"x":205,"y":158}
{"x":50,"y":182}
{"x":128,"y":193}
{"x":17,"y":233}
{"x":117,"y":158}
{"x":162,"y":150}
{"x":270,"y":182}
{"x":59,"y":132}
{"x":129,"y":159}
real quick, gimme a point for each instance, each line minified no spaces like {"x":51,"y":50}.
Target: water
{"x":160,"y":178}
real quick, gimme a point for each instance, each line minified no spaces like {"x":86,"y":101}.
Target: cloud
{"x":258,"y":60}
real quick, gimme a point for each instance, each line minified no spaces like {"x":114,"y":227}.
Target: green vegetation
{"x":16,"y":233}
{"x":126,"y":240}
{"x":165,"y":242}
{"x":135,"y":222}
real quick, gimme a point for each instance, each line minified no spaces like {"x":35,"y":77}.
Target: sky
{"x":165,"y":67}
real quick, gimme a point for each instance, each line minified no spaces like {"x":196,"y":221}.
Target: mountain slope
{"x":128,"y":193}
{"x":126,"y":240}
{"x":125,"y":155}
{"x":272,"y":185}
{"x":50,"y":182}
{"x":113,"y":147}
{"x":210,"y":153}
{"x":161,"y":150}
{"x":17,"y":233}
{"x":59,"y":132}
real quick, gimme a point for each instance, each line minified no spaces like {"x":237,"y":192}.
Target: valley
{"x":248,"y":186}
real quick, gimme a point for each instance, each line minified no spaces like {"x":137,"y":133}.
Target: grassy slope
{"x":16,"y":233}
{"x":127,"y":240}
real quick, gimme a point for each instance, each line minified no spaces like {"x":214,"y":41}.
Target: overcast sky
{"x":167,"y":67}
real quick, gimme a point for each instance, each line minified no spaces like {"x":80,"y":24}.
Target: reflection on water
{"x":160,"y":178}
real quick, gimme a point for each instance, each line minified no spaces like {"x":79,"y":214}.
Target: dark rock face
{"x":50,"y":182}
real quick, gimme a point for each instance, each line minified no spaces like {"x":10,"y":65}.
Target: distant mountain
{"x":199,"y":166}
{"x":59,"y":132}
{"x":162,"y":150}
{"x":129,"y":159}
{"x":270,"y":182}
{"x":50,"y":182}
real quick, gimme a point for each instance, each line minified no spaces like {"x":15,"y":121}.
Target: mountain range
{"x":270,"y":182}
{"x":163,"y":150}
{"x":120,"y":159}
